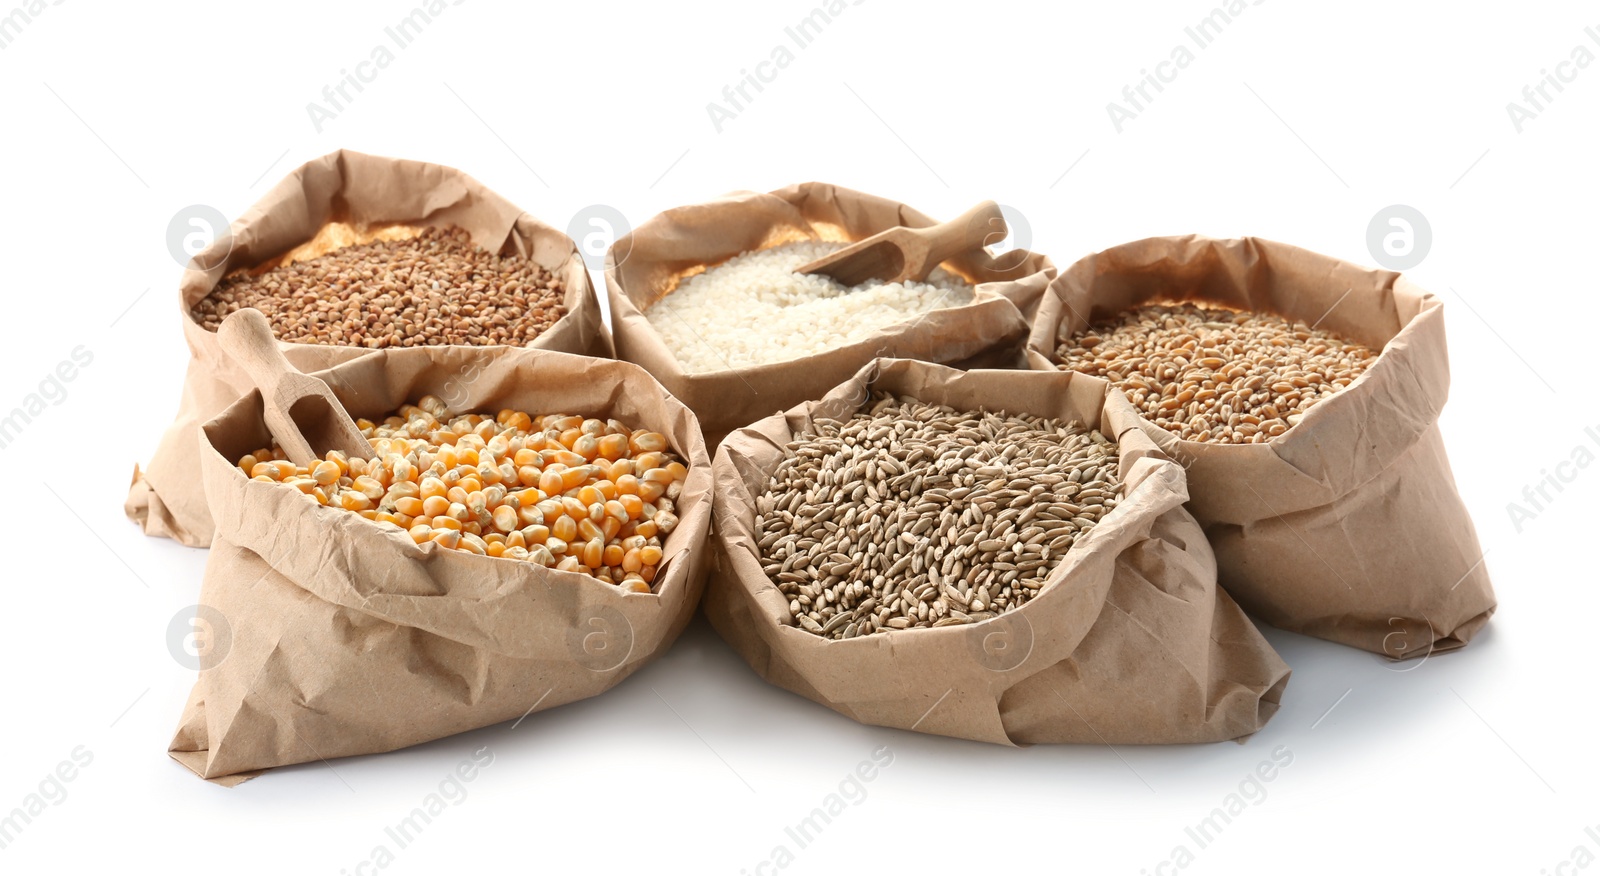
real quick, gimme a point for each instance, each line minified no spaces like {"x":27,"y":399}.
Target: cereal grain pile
{"x":1213,"y":374}
{"x":910,"y":514}
{"x":435,"y":288}
{"x":755,"y":310}
{"x":581,"y":495}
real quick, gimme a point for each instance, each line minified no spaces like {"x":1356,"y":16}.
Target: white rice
{"x":754,"y":310}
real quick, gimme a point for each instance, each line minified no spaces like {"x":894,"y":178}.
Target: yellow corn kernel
{"x":650,"y":555}
{"x":527,"y":456}
{"x":635,"y":585}
{"x":516,"y":539}
{"x":421,"y":532}
{"x":325,"y":473}
{"x":648,"y":573}
{"x":612,"y":447}
{"x":565,"y":457}
{"x":610,"y":527}
{"x":248,"y":462}
{"x":631,"y":560}
{"x":632,"y":506}
{"x":589,"y":530}
{"x":571,"y":507}
{"x":411,"y":506}
{"x":446,"y":522}
{"x":505,"y":518}
{"x":435,"y":506}
{"x":569,"y":564}
{"x":574,"y":477}
{"x":615,"y":508}
{"x":447,"y":538}
{"x":350,"y":500}
{"x":586,"y":446}
{"x":647,"y":461}
{"x":535,"y":534}
{"x":470,"y":542}
{"x":647,"y":442}
{"x":276,"y":470}
{"x":650,"y":491}
{"x":564,"y":528}
{"x":646,"y":529}
{"x":612,"y":555}
{"x":593,"y":551}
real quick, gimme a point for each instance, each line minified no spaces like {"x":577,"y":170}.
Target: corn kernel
{"x":505,"y":518}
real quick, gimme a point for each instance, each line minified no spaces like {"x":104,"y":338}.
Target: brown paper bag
{"x":369,"y":193}
{"x":648,"y":264}
{"x":1348,"y":526}
{"x":1129,"y":640}
{"x":343,"y":637}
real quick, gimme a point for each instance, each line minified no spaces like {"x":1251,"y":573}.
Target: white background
{"x":1298,"y":123}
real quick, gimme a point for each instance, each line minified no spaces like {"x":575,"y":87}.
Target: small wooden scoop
{"x":902,"y":254}
{"x":301,"y":411}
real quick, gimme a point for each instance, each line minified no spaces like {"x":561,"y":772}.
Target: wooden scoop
{"x":902,"y":254}
{"x":301,"y":411}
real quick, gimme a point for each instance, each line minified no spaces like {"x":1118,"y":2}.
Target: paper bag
{"x":1348,"y":526}
{"x":344,"y":637}
{"x":1128,"y":641}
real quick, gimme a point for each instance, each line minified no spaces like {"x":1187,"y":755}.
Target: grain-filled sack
{"x":333,"y":635}
{"x":339,"y":199}
{"x":1129,"y":640}
{"x":648,"y":264}
{"x":1347,"y":526}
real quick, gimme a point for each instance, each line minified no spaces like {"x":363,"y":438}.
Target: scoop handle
{"x":965,"y":233}
{"x":247,"y":338}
